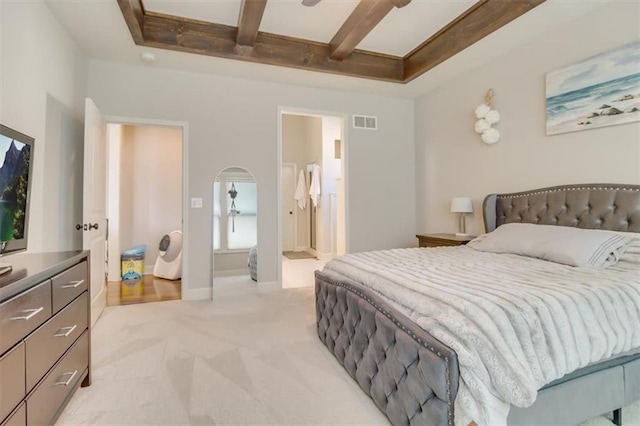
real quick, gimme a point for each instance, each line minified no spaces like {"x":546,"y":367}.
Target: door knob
{"x":87,"y":227}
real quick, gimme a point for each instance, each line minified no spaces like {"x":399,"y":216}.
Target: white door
{"x":94,"y":208}
{"x":288,"y":182}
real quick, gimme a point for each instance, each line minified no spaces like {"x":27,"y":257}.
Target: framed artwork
{"x":603,"y":90}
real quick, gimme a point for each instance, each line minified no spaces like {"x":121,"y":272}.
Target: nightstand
{"x":439,"y":240}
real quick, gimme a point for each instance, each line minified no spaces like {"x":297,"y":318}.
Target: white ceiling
{"x":99,"y":28}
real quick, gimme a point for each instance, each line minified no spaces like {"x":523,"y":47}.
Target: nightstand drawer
{"x":68,"y":285}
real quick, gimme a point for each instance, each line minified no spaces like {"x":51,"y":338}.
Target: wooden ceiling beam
{"x":251,"y":12}
{"x":133,"y":12}
{"x":477,"y":22}
{"x":192,"y":36}
{"x":363,"y":19}
{"x":188,"y":35}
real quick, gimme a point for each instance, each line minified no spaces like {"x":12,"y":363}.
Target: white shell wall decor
{"x":487,"y":117}
{"x":490,"y":136}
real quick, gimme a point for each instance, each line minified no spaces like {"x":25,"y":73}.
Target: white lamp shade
{"x":461,"y":205}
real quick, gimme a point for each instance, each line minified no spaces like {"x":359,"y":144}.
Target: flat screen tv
{"x":16,"y":152}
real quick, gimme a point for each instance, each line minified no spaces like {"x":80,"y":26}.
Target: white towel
{"x":314,"y":190}
{"x":301,"y":191}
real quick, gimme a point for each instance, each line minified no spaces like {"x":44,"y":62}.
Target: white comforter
{"x":516,"y":323}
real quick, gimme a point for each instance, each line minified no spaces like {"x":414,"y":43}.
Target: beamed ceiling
{"x":337,"y":55}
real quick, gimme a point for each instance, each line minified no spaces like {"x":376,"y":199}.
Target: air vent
{"x":365,"y":122}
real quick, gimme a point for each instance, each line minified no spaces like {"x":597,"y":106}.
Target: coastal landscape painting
{"x":603,"y":90}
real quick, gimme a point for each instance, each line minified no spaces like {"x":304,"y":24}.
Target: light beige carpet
{"x":250,"y":359}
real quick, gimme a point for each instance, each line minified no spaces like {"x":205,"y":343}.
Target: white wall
{"x":125,"y":194}
{"x":331,"y":171}
{"x":452,"y":161}
{"x":114,"y":158}
{"x":226,"y":264}
{"x":151,"y":183}
{"x":43,"y":83}
{"x":233,"y":122}
{"x":296,"y":148}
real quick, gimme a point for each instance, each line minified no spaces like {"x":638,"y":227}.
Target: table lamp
{"x":462,"y":206}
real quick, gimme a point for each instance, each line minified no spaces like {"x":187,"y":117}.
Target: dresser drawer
{"x":68,"y":285}
{"x":23,"y":314}
{"x":12,"y":370}
{"x":49,"y":342}
{"x":44,"y":403}
{"x":18,"y":418}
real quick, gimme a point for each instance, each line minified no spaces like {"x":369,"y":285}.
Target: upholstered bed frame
{"x":413,"y":378}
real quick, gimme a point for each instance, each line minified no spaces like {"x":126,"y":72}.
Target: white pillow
{"x":591,"y":248}
{"x":632,"y":252}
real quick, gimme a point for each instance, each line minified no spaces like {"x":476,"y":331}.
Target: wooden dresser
{"x":44,"y":335}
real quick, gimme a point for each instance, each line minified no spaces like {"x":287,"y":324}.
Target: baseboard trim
{"x":98,"y":304}
{"x":148,"y":269}
{"x":197,"y":294}
{"x":324,"y":256}
{"x":230,"y":272}
{"x":269,"y":287}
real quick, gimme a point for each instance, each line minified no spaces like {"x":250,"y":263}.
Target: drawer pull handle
{"x":69,"y":330}
{"x":33,"y":313}
{"x":73,"y":284}
{"x":69,"y":380}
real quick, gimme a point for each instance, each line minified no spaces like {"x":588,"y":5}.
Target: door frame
{"x":281,"y":110}
{"x":186,"y":292}
{"x":295,"y":209}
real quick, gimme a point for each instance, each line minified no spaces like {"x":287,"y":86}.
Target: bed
{"x":414,"y":378}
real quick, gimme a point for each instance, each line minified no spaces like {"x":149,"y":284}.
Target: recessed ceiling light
{"x":148,"y":57}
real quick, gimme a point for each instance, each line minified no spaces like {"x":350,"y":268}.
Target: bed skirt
{"x":411,"y":376}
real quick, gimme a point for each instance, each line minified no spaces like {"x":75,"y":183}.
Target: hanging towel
{"x":301,"y":191}
{"x":314,"y":190}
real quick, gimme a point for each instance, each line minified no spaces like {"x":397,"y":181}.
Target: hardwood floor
{"x":148,"y":289}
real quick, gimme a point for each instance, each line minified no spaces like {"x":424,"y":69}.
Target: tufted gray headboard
{"x":593,"y":206}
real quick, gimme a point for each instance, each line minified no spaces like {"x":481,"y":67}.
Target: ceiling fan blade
{"x":310,"y":2}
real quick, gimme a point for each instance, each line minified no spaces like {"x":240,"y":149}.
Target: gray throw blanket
{"x":516,"y":323}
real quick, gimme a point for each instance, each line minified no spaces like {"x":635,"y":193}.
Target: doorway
{"x":312,"y":193}
{"x":144,"y":213}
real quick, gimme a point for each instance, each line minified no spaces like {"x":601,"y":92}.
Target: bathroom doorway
{"x":313,"y":200}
